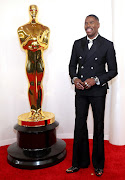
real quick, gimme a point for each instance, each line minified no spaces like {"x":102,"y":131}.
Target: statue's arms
{"x":23,"y":36}
{"x":33,"y":41}
{"x":43,"y":38}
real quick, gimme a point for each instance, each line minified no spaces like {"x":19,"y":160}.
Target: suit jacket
{"x":86,"y":63}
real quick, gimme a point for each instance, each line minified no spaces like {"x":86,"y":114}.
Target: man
{"x":87,"y":71}
{"x":34,"y":39}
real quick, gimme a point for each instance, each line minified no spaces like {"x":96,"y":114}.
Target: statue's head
{"x":33,"y":10}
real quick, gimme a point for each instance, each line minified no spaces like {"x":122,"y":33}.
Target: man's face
{"x":33,"y":10}
{"x":91,"y":26}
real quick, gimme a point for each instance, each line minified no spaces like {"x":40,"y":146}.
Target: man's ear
{"x":99,"y":25}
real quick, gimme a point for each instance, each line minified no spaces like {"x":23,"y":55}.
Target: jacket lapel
{"x":94,"y":48}
{"x":84,"y":47}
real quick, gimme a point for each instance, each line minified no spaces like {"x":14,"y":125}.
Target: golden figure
{"x":34,"y":39}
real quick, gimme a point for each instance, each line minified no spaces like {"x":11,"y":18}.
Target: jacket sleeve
{"x":73,"y":62}
{"x":112,"y":65}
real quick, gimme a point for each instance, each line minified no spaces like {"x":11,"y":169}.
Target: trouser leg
{"x":98,"y":108}
{"x":81,"y":144}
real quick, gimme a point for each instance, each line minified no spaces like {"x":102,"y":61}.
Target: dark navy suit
{"x":85,"y":64}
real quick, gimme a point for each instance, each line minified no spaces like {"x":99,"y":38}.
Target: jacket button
{"x":92,"y":67}
{"x":80,"y":57}
{"x":82,"y":67}
{"x":81,"y":76}
{"x":96,"y":58}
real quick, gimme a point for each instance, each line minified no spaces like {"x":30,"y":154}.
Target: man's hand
{"x":78,"y":84}
{"x":88,"y":83}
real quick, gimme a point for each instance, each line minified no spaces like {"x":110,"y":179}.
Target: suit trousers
{"x":81,"y":155}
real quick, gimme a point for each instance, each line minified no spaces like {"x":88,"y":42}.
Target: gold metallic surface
{"x":34,"y":39}
{"x":24,"y":118}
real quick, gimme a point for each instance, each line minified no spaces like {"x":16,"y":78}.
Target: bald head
{"x":33,"y":9}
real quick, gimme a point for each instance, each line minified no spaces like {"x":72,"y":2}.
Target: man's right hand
{"x":78,"y":84}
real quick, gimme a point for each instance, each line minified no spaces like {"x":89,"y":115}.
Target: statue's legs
{"x":39,"y":73}
{"x":39,"y":90}
{"x":32,"y":91}
{"x":34,"y":71}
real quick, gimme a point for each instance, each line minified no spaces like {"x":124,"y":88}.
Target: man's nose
{"x":88,"y":25}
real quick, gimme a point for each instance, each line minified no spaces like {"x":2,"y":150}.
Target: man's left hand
{"x":88,"y":83}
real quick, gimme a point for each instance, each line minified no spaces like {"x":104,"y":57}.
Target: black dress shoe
{"x":72,"y":169}
{"x":98,"y":171}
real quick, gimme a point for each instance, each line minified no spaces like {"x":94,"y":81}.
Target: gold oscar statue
{"x":34,"y":39}
{"x":37,"y":146}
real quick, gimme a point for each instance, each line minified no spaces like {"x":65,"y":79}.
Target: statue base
{"x":25,"y":120}
{"x":36,"y":147}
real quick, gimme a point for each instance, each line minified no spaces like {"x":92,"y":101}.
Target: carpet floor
{"x":114,"y":166}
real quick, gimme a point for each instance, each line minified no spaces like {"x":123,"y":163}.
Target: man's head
{"x":33,"y":11}
{"x":91,"y":25}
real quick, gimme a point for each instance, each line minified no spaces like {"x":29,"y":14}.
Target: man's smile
{"x":88,"y":30}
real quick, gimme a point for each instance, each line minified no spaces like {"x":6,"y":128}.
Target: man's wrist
{"x":74,"y":79}
{"x":97,"y":82}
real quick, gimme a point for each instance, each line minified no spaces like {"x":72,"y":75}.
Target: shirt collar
{"x":93,"y":38}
